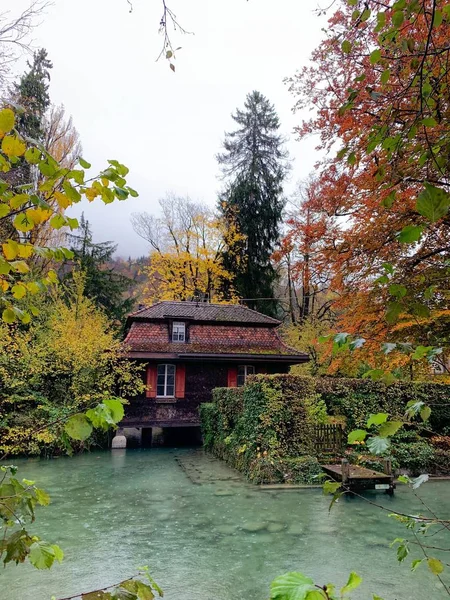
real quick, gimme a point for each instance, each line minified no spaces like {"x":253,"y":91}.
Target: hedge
{"x":264,"y":428}
{"x":356,"y":399}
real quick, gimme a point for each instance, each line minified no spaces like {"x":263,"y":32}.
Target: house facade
{"x":189,"y":349}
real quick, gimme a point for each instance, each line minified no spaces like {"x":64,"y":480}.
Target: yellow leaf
{"x":18,"y":291}
{"x":10,"y":249}
{"x":33,"y":287}
{"x":23,"y":222}
{"x":7,"y":120}
{"x":13,"y":146}
{"x":25,"y":250}
{"x":105,"y":182}
{"x":4,"y":285}
{"x":38,"y":215}
{"x":91,"y":194}
{"x":20,"y":266}
{"x":18,"y":200}
{"x":62,"y":200}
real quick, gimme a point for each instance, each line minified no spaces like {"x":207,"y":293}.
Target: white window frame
{"x":248,"y":370}
{"x":178,"y":331}
{"x":166,"y":368}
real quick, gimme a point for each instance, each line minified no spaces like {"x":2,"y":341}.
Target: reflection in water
{"x":205,"y":533}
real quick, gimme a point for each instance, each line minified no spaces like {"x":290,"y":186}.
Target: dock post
{"x":345,"y":470}
{"x":387,"y":466}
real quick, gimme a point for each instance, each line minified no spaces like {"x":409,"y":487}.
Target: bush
{"x":415,"y":457}
{"x":299,"y":470}
{"x":441,"y":462}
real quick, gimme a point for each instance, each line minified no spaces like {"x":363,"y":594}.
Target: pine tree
{"x":106,"y":287}
{"x":31,"y":93}
{"x":254,"y":165}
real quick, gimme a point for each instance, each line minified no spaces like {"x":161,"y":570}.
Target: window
{"x":243,"y":372}
{"x":179,"y":332}
{"x":165,"y":381}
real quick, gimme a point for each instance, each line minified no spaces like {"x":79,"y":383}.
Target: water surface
{"x":205,"y":533}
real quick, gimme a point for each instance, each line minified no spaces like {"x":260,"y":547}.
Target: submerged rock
{"x":296,"y":529}
{"x":226,"y":529}
{"x":275,"y":527}
{"x":224,"y":493}
{"x":254,"y":526}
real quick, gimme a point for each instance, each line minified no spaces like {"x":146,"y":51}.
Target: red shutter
{"x":232,"y":377}
{"x":152,"y":373}
{"x":180,"y":381}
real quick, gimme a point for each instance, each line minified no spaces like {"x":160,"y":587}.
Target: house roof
{"x":149,"y":338}
{"x":203,"y":312}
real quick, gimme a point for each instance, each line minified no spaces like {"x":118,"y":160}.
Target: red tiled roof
{"x":203,"y":311}
{"x":153,"y":337}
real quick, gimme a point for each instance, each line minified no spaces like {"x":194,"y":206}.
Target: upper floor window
{"x":243,"y":372}
{"x":165,"y":382}
{"x":179,"y":332}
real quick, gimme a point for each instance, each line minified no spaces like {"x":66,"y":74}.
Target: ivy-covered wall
{"x":264,"y":429}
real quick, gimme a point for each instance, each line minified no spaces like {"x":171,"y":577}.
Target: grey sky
{"x":167,"y":127}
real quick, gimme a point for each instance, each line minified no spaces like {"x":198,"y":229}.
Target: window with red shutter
{"x":232,"y":377}
{"x":151,"y":381}
{"x":180,"y":381}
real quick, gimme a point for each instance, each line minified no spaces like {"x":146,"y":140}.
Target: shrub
{"x":415,"y":457}
{"x":441,"y":461}
{"x":299,"y":470}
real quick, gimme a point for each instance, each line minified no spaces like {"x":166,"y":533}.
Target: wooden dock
{"x":355,"y":478}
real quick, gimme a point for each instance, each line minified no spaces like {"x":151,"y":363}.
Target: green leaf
{"x":365,"y":14}
{"x":346,"y":47}
{"x":78,"y":427}
{"x":402,"y":552}
{"x":42,"y":497}
{"x":353,"y":582}
{"x":330,"y":487}
{"x":133,"y":193}
{"x":398,"y":18}
{"x":4,"y":210}
{"x":316,"y":595}
{"x":389,"y":428}
{"x":144,"y":591}
{"x":121,"y":194}
{"x":385,"y":76}
{"x":410,"y":234}
{"x":378,"y":445}
{"x":18,"y":291}
{"x":395,"y":289}
{"x":429,"y":122}
{"x":393,"y":311}
{"x":42,"y":555}
{"x":416,"y":563}
{"x":84,"y":163}
{"x":57,"y":221}
{"x":389,"y":200}
{"x":72,"y":193}
{"x":291,"y":586}
{"x":438,"y":16}
{"x":425,"y":413}
{"x":435,"y":565}
{"x":433,"y":203}
{"x":33,"y":156}
{"x":358,"y":435}
{"x":375,"y":56}
{"x":116,"y":408}
{"x":377,"y":419}
{"x":8,"y":315}
{"x":59,"y":554}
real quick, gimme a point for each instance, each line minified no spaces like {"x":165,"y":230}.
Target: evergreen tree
{"x":254,"y":164}
{"x":31,"y":93}
{"x":105,"y":286}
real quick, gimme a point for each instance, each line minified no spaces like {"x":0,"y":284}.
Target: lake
{"x":206,"y":534}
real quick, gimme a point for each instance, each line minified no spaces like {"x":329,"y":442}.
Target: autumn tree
{"x":186,"y":257}
{"x":61,"y":139}
{"x":254,"y":165}
{"x":379,"y":83}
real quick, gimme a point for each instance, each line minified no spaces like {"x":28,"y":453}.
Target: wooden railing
{"x":328,"y":438}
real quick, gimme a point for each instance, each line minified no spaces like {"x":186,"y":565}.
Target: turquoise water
{"x":205,"y":533}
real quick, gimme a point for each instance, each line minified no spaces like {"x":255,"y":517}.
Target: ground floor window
{"x":165,"y":383}
{"x":243,"y":372}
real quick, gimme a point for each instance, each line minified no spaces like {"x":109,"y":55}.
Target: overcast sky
{"x":167,"y":127}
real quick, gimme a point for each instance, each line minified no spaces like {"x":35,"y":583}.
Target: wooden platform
{"x":356,"y":478}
